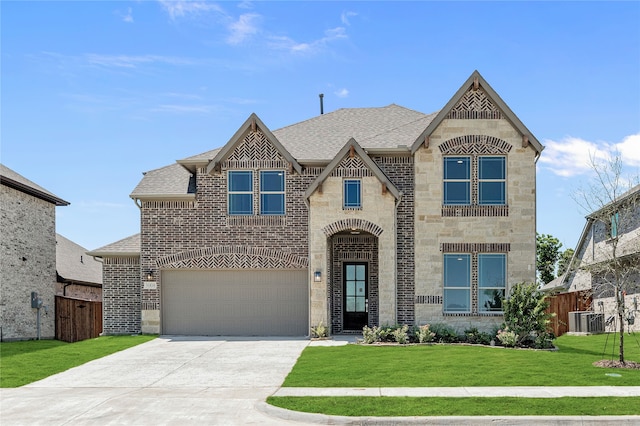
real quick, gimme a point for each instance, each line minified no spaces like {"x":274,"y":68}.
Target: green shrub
{"x":525,"y":314}
{"x":473,"y":335}
{"x":401,"y":335}
{"x":320,"y":331}
{"x":444,"y":333}
{"x":424,"y":334}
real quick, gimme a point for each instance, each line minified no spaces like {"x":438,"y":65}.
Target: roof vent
{"x":321,"y":103}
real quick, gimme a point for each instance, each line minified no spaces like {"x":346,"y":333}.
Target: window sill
{"x":475,"y":211}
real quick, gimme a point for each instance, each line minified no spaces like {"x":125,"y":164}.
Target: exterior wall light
{"x":317,"y":276}
{"x":150,"y":275}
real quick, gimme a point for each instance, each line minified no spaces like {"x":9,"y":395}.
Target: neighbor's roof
{"x":73,"y":263}
{"x":16,"y":181}
{"x":129,"y":246}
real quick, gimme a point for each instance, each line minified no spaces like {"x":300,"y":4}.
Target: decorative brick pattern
{"x":474,"y":145}
{"x":473,"y":105}
{"x":475,"y":247}
{"x":233,"y":257}
{"x":429,"y":300}
{"x":352,"y":224}
{"x":352,"y":248}
{"x":255,"y":152}
{"x":168,"y":204}
{"x":351,"y":167}
{"x":475,"y":210}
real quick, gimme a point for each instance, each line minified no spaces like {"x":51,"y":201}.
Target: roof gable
{"x":126,"y":247}
{"x":252,"y":126}
{"x":351,"y":149}
{"x":477,"y":99}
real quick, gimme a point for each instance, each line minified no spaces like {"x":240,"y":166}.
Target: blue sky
{"x":95,"y":93}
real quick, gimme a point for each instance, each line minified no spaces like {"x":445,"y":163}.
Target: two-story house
{"x":363,"y":216}
{"x":607,"y":260}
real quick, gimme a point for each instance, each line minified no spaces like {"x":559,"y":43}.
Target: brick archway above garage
{"x":233,"y":257}
{"x":352,"y":224}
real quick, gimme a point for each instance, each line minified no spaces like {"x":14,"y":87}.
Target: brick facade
{"x":121,"y":295}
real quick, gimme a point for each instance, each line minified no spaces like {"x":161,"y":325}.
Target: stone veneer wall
{"x":27,"y":263}
{"x":513,"y":227}
{"x":121,"y":295}
{"x":353,"y":248}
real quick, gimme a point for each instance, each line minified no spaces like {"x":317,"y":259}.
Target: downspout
{"x":395,"y":264}
{"x":309,"y":280}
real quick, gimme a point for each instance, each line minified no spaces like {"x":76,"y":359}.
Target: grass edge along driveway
{"x":25,"y":362}
{"x":452,"y":365}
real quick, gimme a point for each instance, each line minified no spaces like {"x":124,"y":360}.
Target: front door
{"x":356,"y":297}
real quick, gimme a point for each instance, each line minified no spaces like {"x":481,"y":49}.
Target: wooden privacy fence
{"x":77,"y":319}
{"x":563,"y":303}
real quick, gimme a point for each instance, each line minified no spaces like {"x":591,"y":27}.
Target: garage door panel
{"x":248,"y":302}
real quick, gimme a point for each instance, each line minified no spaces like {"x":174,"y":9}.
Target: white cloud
{"x":286,"y":43}
{"x":128,"y":17}
{"x":342,"y":93}
{"x":184,"y":8}
{"x":129,"y":61}
{"x":243,"y":28}
{"x":183,"y":109}
{"x":573,"y":156}
{"x":345,"y":17}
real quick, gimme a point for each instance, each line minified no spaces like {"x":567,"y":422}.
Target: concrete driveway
{"x":170,"y":380}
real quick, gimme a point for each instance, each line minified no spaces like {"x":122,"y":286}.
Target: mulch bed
{"x":617,"y":364}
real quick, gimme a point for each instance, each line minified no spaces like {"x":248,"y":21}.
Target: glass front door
{"x":356,"y":297}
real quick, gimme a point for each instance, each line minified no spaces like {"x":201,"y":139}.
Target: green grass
{"x":437,"y":406}
{"x":455,"y":365}
{"x":28,"y":361}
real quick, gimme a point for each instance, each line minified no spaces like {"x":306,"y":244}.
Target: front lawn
{"x":28,"y":361}
{"x":455,"y":365}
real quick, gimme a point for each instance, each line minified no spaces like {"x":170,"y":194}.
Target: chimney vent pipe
{"x":321,"y":103}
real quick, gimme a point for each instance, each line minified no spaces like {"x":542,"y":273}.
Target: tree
{"x":563,"y":262}
{"x":611,"y":201}
{"x":547,"y":255}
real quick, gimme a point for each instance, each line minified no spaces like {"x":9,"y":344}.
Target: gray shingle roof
{"x":15,"y":180}
{"x":319,"y":138}
{"x":73,"y":263}
{"x":170,"y":181}
{"x":129,"y":246}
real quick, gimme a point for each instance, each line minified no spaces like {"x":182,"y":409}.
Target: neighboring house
{"x":79,"y":276}
{"x":363,"y":216}
{"x":615,"y":226}
{"x":27,"y":257}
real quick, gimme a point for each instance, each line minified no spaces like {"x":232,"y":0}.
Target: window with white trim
{"x":272,"y":192}
{"x":240,"y":192}
{"x":352,"y":194}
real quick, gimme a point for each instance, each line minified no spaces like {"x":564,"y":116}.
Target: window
{"x":474,"y":180}
{"x":491,"y":180}
{"x":240,"y":190}
{"x":272,"y":192}
{"x":457,"y":180}
{"x":352,"y":191}
{"x":615,"y":221}
{"x":457,"y":283}
{"x":492,"y":270}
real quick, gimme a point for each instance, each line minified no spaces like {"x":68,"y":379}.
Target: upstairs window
{"x":240,"y":192}
{"x":491,"y":180}
{"x":272,"y":192}
{"x":457,"y":283}
{"x":352,"y":194}
{"x":615,"y":221}
{"x":457,"y":181}
{"x":492,"y":277}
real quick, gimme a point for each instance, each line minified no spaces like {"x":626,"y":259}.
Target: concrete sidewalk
{"x":466,"y":392}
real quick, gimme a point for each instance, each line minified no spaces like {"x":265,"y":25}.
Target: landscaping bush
{"x":423,"y":334}
{"x":444,"y":333}
{"x":401,"y":335}
{"x":475,"y":336}
{"x":525,"y":314}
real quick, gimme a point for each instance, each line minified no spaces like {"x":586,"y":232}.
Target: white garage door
{"x":235,"y":303}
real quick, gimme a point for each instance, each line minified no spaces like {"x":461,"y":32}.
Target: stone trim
{"x":474,"y":144}
{"x":474,"y":104}
{"x":475,"y":247}
{"x":350,"y":224}
{"x":233,"y":257}
{"x":475,"y":210}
